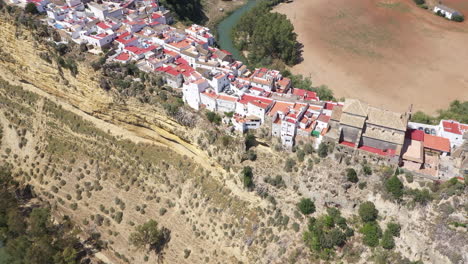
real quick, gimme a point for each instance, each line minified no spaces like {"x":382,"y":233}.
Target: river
{"x":225,"y":29}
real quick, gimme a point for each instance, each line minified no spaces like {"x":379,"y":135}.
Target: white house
{"x":226,"y":103}
{"x":452,"y":130}
{"x":446,"y":11}
{"x":98,"y":40}
{"x":242,"y":124}
{"x":288,"y":132}
{"x":191,"y":91}
{"x":219,"y":81}
{"x":209,"y":100}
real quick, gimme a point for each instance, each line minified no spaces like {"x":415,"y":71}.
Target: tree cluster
{"x":186,"y":11}
{"x":456,"y":111}
{"x":327,"y":232}
{"x":267,"y":36}
{"x":151,"y":237}
{"x":30,"y":236}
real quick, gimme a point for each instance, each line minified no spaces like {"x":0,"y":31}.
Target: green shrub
{"x":306,"y":206}
{"x":352,"y":175}
{"x":371,"y":234}
{"x":247,"y":177}
{"x":249,"y":141}
{"x":395,"y":187}
{"x":368,"y":212}
{"x":362,"y":185}
{"x":458,"y":18}
{"x":289,"y":165}
{"x":323,"y":150}
{"x":326,"y":233}
{"x":421,"y":196}
{"x":394,"y":229}
{"x":409,"y":177}
{"x":367,"y":170}
{"x":31,"y":8}
{"x":387,"y":240}
{"x":419,"y":2}
{"x":213,"y":117}
{"x":300,"y":155}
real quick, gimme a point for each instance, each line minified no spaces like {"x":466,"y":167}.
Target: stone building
{"x":371,"y":129}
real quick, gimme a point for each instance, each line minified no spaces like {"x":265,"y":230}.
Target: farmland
{"x":390,"y":53}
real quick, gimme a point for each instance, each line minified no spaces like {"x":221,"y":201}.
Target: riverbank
{"x":212,"y":9}
{"x":225,"y":27}
{"x":391,"y":54}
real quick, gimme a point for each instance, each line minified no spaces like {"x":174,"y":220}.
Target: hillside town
{"x":139,"y":31}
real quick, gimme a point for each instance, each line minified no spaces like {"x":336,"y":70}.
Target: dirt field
{"x":389,"y":53}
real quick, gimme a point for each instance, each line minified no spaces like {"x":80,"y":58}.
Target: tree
{"x":367,"y":170}
{"x":368,"y":212}
{"x":225,"y":140}
{"x":394,"y":186}
{"x":458,"y":18}
{"x":306,"y":206}
{"x":149,"y":235}
{"x":31,"y":8}
{"x":289,"y":164}
{"x":371,"y":234}
{"x":420,"y":117}
{"x":39,"y":221}
{"x":324,"y":93}
{"x":67,"y":256}
{"x":422,"y":196}
{"x":308,"y":148}
{"x":247,"y":177}
{"x":249,"y":141}
{"x":326,"y":232}
{"x":322,"y":150}
{"x":387,"y":240}
{"x":213,"y":117}
{"x":394,"y":229}
{"x":352,"y":175}
{"x":300,"y":155}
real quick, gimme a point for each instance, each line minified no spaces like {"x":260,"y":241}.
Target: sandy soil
{"x":389,"y":53}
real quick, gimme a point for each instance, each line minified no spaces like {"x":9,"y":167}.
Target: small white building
{"x":192,"y":89}
{"x":446,"y":11}
{"x":242,"y":124}
{"x":452,"y":130}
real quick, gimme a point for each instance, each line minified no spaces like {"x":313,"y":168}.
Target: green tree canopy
{"x":148,"y":235}
{"x":368,"y":212}
{"x":371,"y":234}
{"x":31,"y":8}
{"x":394,"y":186}
{"x":306,"y":206}
{"x":352,"y":175}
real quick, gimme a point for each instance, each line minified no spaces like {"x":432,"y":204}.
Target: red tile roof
{"x":415,"y":134}
{"x":349,"y":144}
{"x":329,"y":106}
{"x":324,"y":118}
{"x":123,"y":57}
{"x":103,"y":25}
{"x":387,"y":152}
{"x":306,"y":95}
{"x":249,"y":98}
{"x":437,"y":143}
{"x":451,"y":127}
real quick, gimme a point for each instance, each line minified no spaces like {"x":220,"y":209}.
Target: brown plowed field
{"x":389,"y":53}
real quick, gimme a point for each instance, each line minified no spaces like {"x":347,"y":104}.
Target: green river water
{"x":225,"y":29}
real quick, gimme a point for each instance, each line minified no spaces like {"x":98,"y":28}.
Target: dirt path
{"x":388,"y":53}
